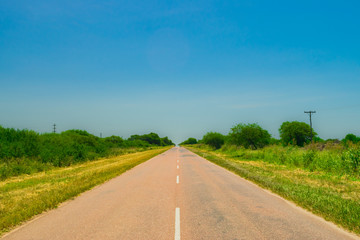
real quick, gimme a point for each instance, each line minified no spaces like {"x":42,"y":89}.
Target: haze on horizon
{"x":179,"y":69}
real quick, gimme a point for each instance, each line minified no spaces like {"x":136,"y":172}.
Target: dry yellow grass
{"x":25,"y":196}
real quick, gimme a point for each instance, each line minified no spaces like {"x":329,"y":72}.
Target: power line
{"x":310,"y":112}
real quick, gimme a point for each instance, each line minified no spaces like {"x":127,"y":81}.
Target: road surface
{"x":178,"y":195}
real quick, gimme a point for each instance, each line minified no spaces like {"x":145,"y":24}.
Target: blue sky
{"x":179,"y":68}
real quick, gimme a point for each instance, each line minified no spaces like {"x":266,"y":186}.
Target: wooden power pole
{"x":310,"y":112}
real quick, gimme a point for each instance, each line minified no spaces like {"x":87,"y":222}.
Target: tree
{"x":296,"y":133}
{"x":151,"y":138}
{"x":274,"y":141}
{"x":214,"y":139}
{"x":351,"y":137}
{"x":115,"y":141}
{"x":318,"y":139}
{"x":165,"y":141}
{"x":249,"y":136}
{"x":189,"y":141}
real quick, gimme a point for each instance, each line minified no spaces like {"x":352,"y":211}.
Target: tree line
{"x":26,"y":151}
{"x":253,"y":136}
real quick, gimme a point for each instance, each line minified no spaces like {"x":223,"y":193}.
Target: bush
{"x":189,"y":141}
{"x":24,"y":151}
{"x":214,"y":139}
{"x":274,"y":141}
{"x":308,"y":158}
{"x":114,"y":141}
{"x":165,"y":141}
{"x":351,"y":160}
{"x":295,"y":133}
{"x":249,"y":136}
{"x":318,"y":140}
{"x":136,"y":143}
{"x":152,"y":139}
{"x":351,"y":138}
{"x":18,"y":143}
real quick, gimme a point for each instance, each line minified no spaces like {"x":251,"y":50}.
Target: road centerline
{"x":177,"y":223}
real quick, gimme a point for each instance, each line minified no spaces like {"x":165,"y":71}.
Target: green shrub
{"x":308,"y":158}
{"x":214,"y":139}
{"x":189,"y":141}
{"x":114,"y":141}
{"x":295,"y":133}
{"x":351,"y":138}
{"x":351,"y":160}
{"x":165,"y":141}
{"x":25,"y":152}
{"x":249,"y":136}
{"x":152,"y":139}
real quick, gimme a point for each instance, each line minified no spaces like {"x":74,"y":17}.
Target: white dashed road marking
{"x":177,"y":224}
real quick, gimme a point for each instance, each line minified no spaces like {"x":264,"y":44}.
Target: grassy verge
{"x":25,"y":196}
{"x":336,"y":198}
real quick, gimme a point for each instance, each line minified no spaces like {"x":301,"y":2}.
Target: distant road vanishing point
{"x":178,"y":195}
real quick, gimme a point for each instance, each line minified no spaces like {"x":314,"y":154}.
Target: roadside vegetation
{"x":28,"y":152}
{"x":322,"y":176}
{"x":189,"y":141}
{"x":24,"y":196}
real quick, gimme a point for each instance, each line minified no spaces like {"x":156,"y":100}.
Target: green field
{"x":25,"y":196}
{"x":322,"y":181}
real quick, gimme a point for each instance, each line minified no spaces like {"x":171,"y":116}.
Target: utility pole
{"x":100,"y":135}
{"x":310,"y":112}
{"x":54,"y":131}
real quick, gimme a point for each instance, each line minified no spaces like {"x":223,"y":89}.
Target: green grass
{"x":335,"y":197}
{"x":25,"y":196}
{"x":330,"y":158}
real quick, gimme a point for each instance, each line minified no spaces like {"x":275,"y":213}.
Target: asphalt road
{"x":178,"y":195}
